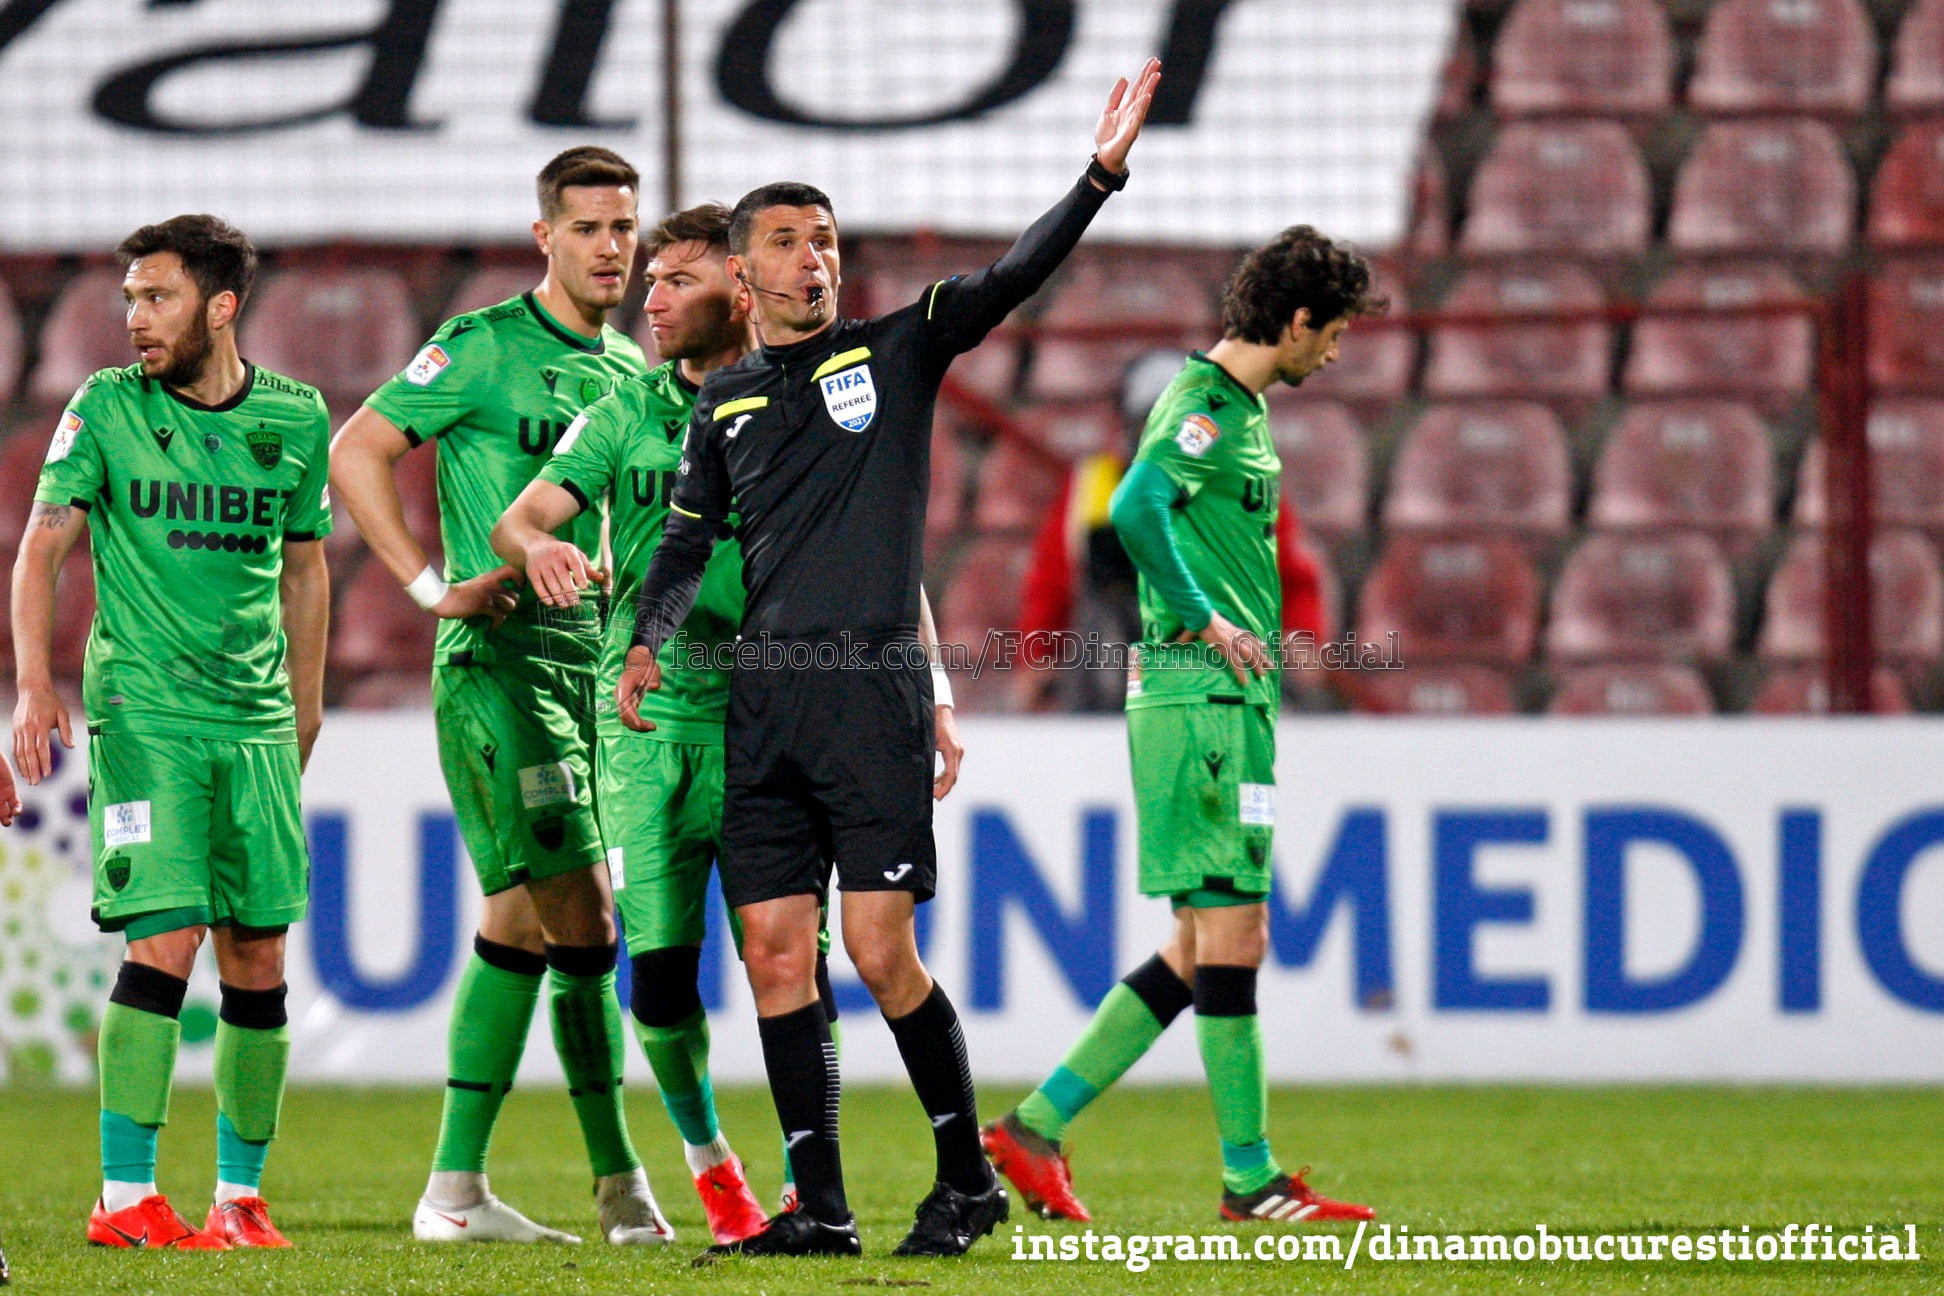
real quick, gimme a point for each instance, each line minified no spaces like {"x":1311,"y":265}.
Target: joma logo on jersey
{"x":850,"y":397}
{"x":207,"y":502}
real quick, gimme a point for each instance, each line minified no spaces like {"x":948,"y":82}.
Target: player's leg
{"x":787,"y":1199}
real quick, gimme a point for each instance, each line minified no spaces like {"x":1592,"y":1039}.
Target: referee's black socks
{"x":933,"y":1049}
{"x":802,"y":1065}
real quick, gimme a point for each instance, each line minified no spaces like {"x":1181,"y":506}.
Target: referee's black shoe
{"x":794,"y":1233}
{"x":949,"y":1221}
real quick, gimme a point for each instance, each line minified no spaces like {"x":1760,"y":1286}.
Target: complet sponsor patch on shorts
{"x":1198,"y":432}
{"x":1259,"y":805}
{"x":617,"y":867}
{"x":126,"y":824}
{"x":545,"y":785}
{"x":70,"y":428}
{"x":427,"y":365}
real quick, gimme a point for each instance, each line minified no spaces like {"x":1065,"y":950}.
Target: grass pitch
{"x":1440,"y":1160}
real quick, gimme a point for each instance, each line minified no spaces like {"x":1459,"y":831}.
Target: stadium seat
{"x":1570,"y":188}
{"x":1907,"y":196}
{"x":1430,"y":232}
{"x":1632,"y":689}
{"x":1557,"y":360}
{"x":1325,"y":465}
{"x":13,"y":346}
{"x":1785,"y":56}
{"x":1763,"y":188}
{"x":377,"y":627}
{"x":1906,"y":468}
{"x":1374,"y":365}
{"x":982,"y":596}
{"x":1701,"y":465}
{"x":1606,"y":57}
{"x":343,"y":331}
{"x":1916,"y":81}
{"x":1759,"y":357}
{"x":945,"y":498}
{"x":1455,"y":690}
{"x":1501,"y":466}
{"x":1100,"y":292}
{"x":86,"y":330}
{"x":492,"y":284}
{"x":1906,"y":608}
{"x":1643,"y":598}
{"x":1459,"y":75}
{"x":21,"y":455}
{"x":1804,"y":690}
{"x":1015,"y":488}
{"x":1907,"y":326}
{"x":1473,"y":599}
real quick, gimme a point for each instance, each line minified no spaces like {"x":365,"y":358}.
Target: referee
{"x":822,"y":439}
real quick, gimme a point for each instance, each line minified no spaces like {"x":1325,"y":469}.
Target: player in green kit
{"x":1197,"y":514}
{"x":201,"y":480}
{"x":513,"y":690}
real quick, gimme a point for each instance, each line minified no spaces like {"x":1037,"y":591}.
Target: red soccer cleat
{"x":1289,"y":1199}
{"x":726,"y":1200}
{"x":244,"y":1222}
{"x":1036,"y":1167}
{"x":150,"y":1222}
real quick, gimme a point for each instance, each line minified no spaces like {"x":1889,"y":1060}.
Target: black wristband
{"x":1112,"y":182}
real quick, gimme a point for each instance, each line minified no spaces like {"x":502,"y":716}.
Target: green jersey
{"x":189,"y":506}
{"x":627,"y":447}
{"x":1210,"y":435}
{"x":497,"y":389}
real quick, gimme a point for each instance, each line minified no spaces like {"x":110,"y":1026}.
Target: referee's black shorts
{"x":829,"y":765}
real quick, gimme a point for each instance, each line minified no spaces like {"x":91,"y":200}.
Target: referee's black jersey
{"x":824,"y":449}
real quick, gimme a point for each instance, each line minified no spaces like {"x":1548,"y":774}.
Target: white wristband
{"x":941,"y":686}
{"x":428,"y":589}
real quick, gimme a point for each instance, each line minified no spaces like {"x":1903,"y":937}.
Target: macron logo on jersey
{"x":1198,"y":432}
{"x":427,"y":365}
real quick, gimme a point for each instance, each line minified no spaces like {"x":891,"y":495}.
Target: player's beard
{"x":711,"y":335}
{"x":189,"y":355}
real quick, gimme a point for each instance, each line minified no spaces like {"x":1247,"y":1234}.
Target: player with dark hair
{"x":1197,"y":514}
{"x":512,"y":693}
{"x":201,"y":479}
{"x":820,"y":441}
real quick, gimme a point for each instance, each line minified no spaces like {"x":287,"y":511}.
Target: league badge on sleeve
{"x":70,"y":428}
{"x":1198,"y":432}
{"x":427,"y":365}
{"x":850,"y":397}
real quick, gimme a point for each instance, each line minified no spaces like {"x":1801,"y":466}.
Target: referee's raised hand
{"x":640,"y":673}
{"x":1120,"y":121}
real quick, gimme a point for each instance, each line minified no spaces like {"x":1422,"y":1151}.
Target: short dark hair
{"x":708,"y":224}
{"x":214,"y":252}
{"x":784,"y":193}
{"x":586,"y":165}
{"x":1299,"y":267}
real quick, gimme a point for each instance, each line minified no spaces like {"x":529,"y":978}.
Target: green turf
{"x":1485,"y":1159}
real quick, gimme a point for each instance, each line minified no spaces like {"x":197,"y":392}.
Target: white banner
{"x":425,"y":120}
{"x":1583,"y":900}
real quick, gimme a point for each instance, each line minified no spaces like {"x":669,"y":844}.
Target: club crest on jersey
{"x":63,"y":442}
{"x":1198,"y":432}
{"x":427,"y":365}
{"x":266,"y":446}
{"x":850,"y":397}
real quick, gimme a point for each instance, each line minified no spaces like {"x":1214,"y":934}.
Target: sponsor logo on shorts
{"x":126,"y":824}
{"x":545,"y":785}
{"x":897,"y":874}
{"x":427,"y":365}
{"x":1198,"y":432}
{"x":617,"y":869}
{"x":69,"y":428}
{"x":1259,"y":804}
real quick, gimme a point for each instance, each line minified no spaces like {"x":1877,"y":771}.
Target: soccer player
{"x":201,"y":479}
{"x":512,"y":693}
{"x":821,"y":438}
{"x":1197,"y":513}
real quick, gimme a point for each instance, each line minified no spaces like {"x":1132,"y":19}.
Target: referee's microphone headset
{"x":815,"y":292}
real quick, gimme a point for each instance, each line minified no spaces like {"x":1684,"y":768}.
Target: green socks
{"x":491,"y":1014}
{"x":587,"y":1034}
{"x":136,"y":1057}
{"x":679,"y":1057}
{"x":252,"y":1061}
{"x":1125,"y":1026}
{"x":1230,"y":1035}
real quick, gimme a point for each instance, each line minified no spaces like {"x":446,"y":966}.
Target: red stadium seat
{"x":981,"y":597}
{"x":492,"y":284}
{"x":1430,"y":233}
{"x":1785,"y":56}
{"x":86,"y":330}
{"x":1015,"y":488}
{"x":13,"y":346}
{"x":1643,"y":598}
{"x":1632,"y":690}
{"x":1512,"y":359}
{"x":1501,"y":466}
{"x":1474,"y":599}
{"x":1804,"y":690}
{"x":945,"y":501}
{"x":1763,"y":188}
{"x":1101,"y":292}
{"x":1907,"y":197}
{"x":1906,"y":468}
{"x":1758,"y":357}
{"x":1916,"y":81}
{"x":1907,"y":326}
{"x":1325,"y":465}
{"x":1606,"y":57}
{"x":1560,"y":187}
{"x":343,"y":331}
{"x":1459,"y":75}
{"x":1907,"y":603}
{"x":377,"y":627}
{"x":1456,"y":690}
{"x":1374,"y":363}
{"x":1701,"y":465}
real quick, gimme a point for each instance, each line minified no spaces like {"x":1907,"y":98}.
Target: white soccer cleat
{"x":629,"y":1215}
{"x":490,"y":1221}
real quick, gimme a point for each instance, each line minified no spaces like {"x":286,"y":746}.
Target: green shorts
{"x":514,"y":745}
{"x":191,"y":831}
{"x":661,"y":817}
{"x":1204,"y":796}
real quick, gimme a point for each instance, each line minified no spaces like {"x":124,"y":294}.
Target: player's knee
{"x":887,"y":968}
{"x":776,"y":966}
{"x":665,"y":990}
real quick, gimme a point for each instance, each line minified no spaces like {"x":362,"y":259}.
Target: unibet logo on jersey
{"x":851,"y":398}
